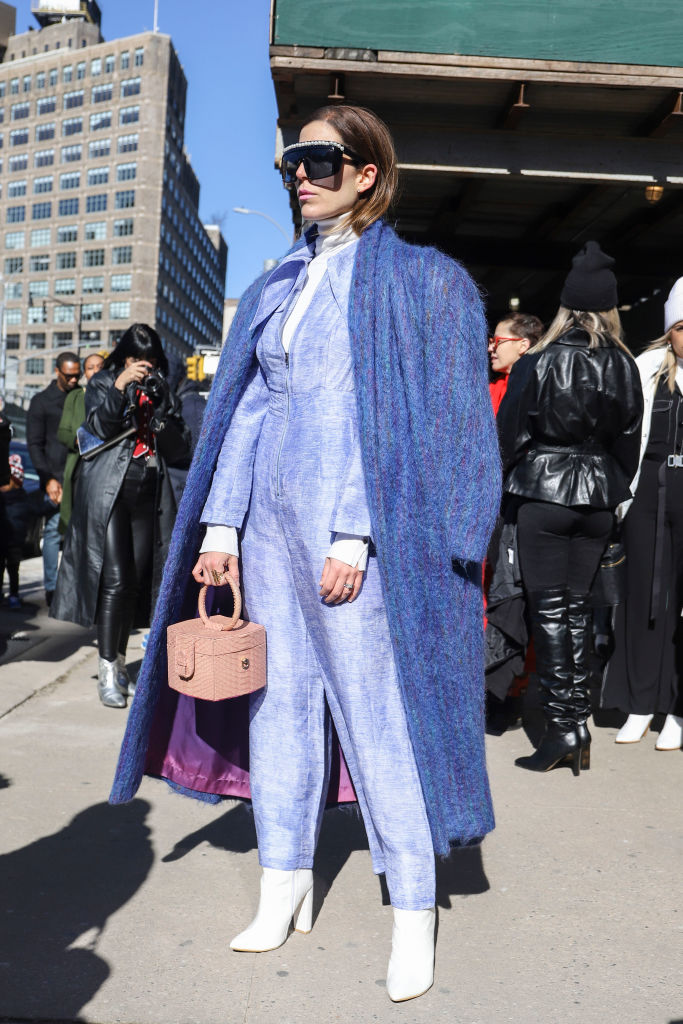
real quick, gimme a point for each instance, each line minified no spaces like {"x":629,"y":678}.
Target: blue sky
{"x":231,"y":114}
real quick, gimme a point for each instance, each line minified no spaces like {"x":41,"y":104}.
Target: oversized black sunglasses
{"x":320,"y":160}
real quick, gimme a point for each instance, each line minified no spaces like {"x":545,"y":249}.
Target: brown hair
{"x":526,"y":325}
{"x":368,"y":136}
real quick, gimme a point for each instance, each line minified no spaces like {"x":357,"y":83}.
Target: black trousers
{"x":561,"y":546}
{"x":127,"y":558}
{"x":10,"y":559}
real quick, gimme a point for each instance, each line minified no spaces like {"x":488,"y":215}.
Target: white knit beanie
{"x":673,"y":307}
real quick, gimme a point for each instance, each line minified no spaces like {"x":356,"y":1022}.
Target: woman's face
{"x":131,"y":359}
{"x":322,"y":202}
{"x":676,"y":339}
{"x":506,"y":347}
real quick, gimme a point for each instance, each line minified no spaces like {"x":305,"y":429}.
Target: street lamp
{"x":259,"y":213}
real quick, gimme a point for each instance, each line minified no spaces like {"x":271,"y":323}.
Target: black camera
{"x":155,"y":386}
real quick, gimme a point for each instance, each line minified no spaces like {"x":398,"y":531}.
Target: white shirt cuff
{"x":347,"y":547}
{"x":220,"y":538}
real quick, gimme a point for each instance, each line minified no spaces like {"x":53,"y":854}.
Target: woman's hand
{"x":332,"y":584}
{"x":133,"y":373}
{"x":219,"y":562}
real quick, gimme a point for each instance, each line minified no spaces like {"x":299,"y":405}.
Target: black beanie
{"x":590,"y":284}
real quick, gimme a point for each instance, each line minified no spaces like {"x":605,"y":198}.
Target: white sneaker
{"x":411,"y":966}
{"x":671,"y":736}
{"x":285,"y":895}
{"x":633,"y":729}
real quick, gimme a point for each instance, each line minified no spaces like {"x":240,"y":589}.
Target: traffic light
{"x":195,"y":367}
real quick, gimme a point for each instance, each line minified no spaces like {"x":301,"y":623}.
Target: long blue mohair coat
{"x":432,"y":479}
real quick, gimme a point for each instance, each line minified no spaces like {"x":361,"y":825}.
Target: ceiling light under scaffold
{"x":653,"y":193}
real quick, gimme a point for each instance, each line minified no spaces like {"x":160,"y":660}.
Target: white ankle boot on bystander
{"x":411,"y":966}
{"x":285,"y":896}
{"x":671,"y":736}
{"x":633,"y":729}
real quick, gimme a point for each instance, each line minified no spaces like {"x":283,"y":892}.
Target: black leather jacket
{"x":569,"y":424}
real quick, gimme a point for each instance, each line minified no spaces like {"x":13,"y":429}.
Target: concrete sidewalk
{"x":569,"y":914}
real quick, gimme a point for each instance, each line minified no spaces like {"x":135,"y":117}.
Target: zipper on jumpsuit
{"x":284,"y":429}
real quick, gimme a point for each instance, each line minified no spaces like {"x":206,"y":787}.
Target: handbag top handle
{"x":225,"y":625}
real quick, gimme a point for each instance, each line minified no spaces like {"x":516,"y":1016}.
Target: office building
{"x":98,"y":200}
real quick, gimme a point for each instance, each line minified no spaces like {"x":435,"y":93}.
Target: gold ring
{"x":217,"y":577}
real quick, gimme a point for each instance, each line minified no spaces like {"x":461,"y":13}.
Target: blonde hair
{"x":602,"y":328}
{"x":669,"y":365}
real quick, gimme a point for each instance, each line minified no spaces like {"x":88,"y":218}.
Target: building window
{"x":19,"y":111}
{"x":61,"y":338}
{"x":125,"y":61}
{"x":126,"y":172}
{"x":39,"y":264}
{"x":12,"y":341}
{"x":124,"y":200}
{"x":16,"y":189}
{"x":66,"y":260}
{"x":130,"y":87}
{"x":38,"y":289}
{"x":14,"y":87}
{"x":44,"y":158}
{"x":12,"y":317}
{"x":43,"y":184}
{"x":67,"y":74}
{"x":26,"y":83}
{"x":71,"y":179}
{"x":64,"y":314}
{"x":72,"y":125}
{"x":93,"y":285}
{"x":128,"y":143}
{"x":46,"y":105}
{"x":36,"y":315}
{"x":100,"y":120}
{"x":67,"y":234}
{"x":70,"y":154}
{"x":18,"y":163}
{"x":96,"y":204}
{"x":18,"y":137}
{"x":102,"y":93}
{"x":96,"y":66}
{"x":15,"y":214}
{"x":98,"y":176}
{"x":40,"y":238}
{"x":65,"y":286}
{"x":100,"y":147}
{"x":139,"y":56}
{"x":14,"y":290}
{"x":35,"y":340}
{"x":123,"y":227}
{"x":121,"y":282}
{"x":93,"y":258}
{"x":15,"y":240}
{"x":53,"y":76}
{"x":46,"y":131}
{"x":68,"y":207}
{"x":96,"y":231}
{"x":109,"y":64}
{"x":129,"y":115}
{"x":119,"y":310}
{"x":73,"y":99}
{"x":40,"y":80}
{"x":2,"y":114}
{"x":14,"y":265}
{"x":91,"y":311}
{"x":35,"y":366}
{"x":122,"y":254}
{"x":80,"y":70}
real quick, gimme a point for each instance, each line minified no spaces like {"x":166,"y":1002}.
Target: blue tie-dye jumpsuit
{"x":289,"y":476}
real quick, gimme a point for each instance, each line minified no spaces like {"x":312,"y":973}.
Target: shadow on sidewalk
{"x":56,"y":895}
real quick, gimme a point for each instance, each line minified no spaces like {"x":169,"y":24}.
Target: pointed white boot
{"x":671,"y":736}
{"x":285,"y":896}
{"x":633,"y":729}
{"x":411,"y":966}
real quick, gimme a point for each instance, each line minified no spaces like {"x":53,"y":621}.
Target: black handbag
{"x":609,"y":587}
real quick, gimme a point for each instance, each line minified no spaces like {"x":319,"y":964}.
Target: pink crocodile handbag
{"x":215,"y":657}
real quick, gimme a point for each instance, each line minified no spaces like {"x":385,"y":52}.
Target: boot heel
{"x":303,"y":919}
{"x":576,"y":762}
{"x":585,"y":759}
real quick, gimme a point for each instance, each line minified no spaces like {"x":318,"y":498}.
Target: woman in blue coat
{"x":354,"y":463}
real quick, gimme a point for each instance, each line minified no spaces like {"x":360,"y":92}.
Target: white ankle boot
{"x":285,"y":895}
{"x":411,"y":966}
{"x":633,"y":729}
{"x":671,"y":736}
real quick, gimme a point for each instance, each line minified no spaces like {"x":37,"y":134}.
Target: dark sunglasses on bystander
{"x":320,"y":159}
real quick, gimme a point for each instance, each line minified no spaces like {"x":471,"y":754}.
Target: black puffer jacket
{"x":569,"y":424}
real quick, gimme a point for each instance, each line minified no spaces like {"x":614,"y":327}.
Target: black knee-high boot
{"x":580,"y":623}
{"x":555,"y":668}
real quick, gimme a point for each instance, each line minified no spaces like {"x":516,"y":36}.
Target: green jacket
{"x":72,"y":417}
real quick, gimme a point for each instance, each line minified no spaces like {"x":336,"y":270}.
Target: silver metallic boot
{"x":107,"y":685}
{"x":124,"y":682}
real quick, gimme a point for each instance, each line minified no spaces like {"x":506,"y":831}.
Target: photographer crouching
{"x":124,"y":507}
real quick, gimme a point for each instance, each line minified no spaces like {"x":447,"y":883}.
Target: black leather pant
{"x":127,"y":558}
